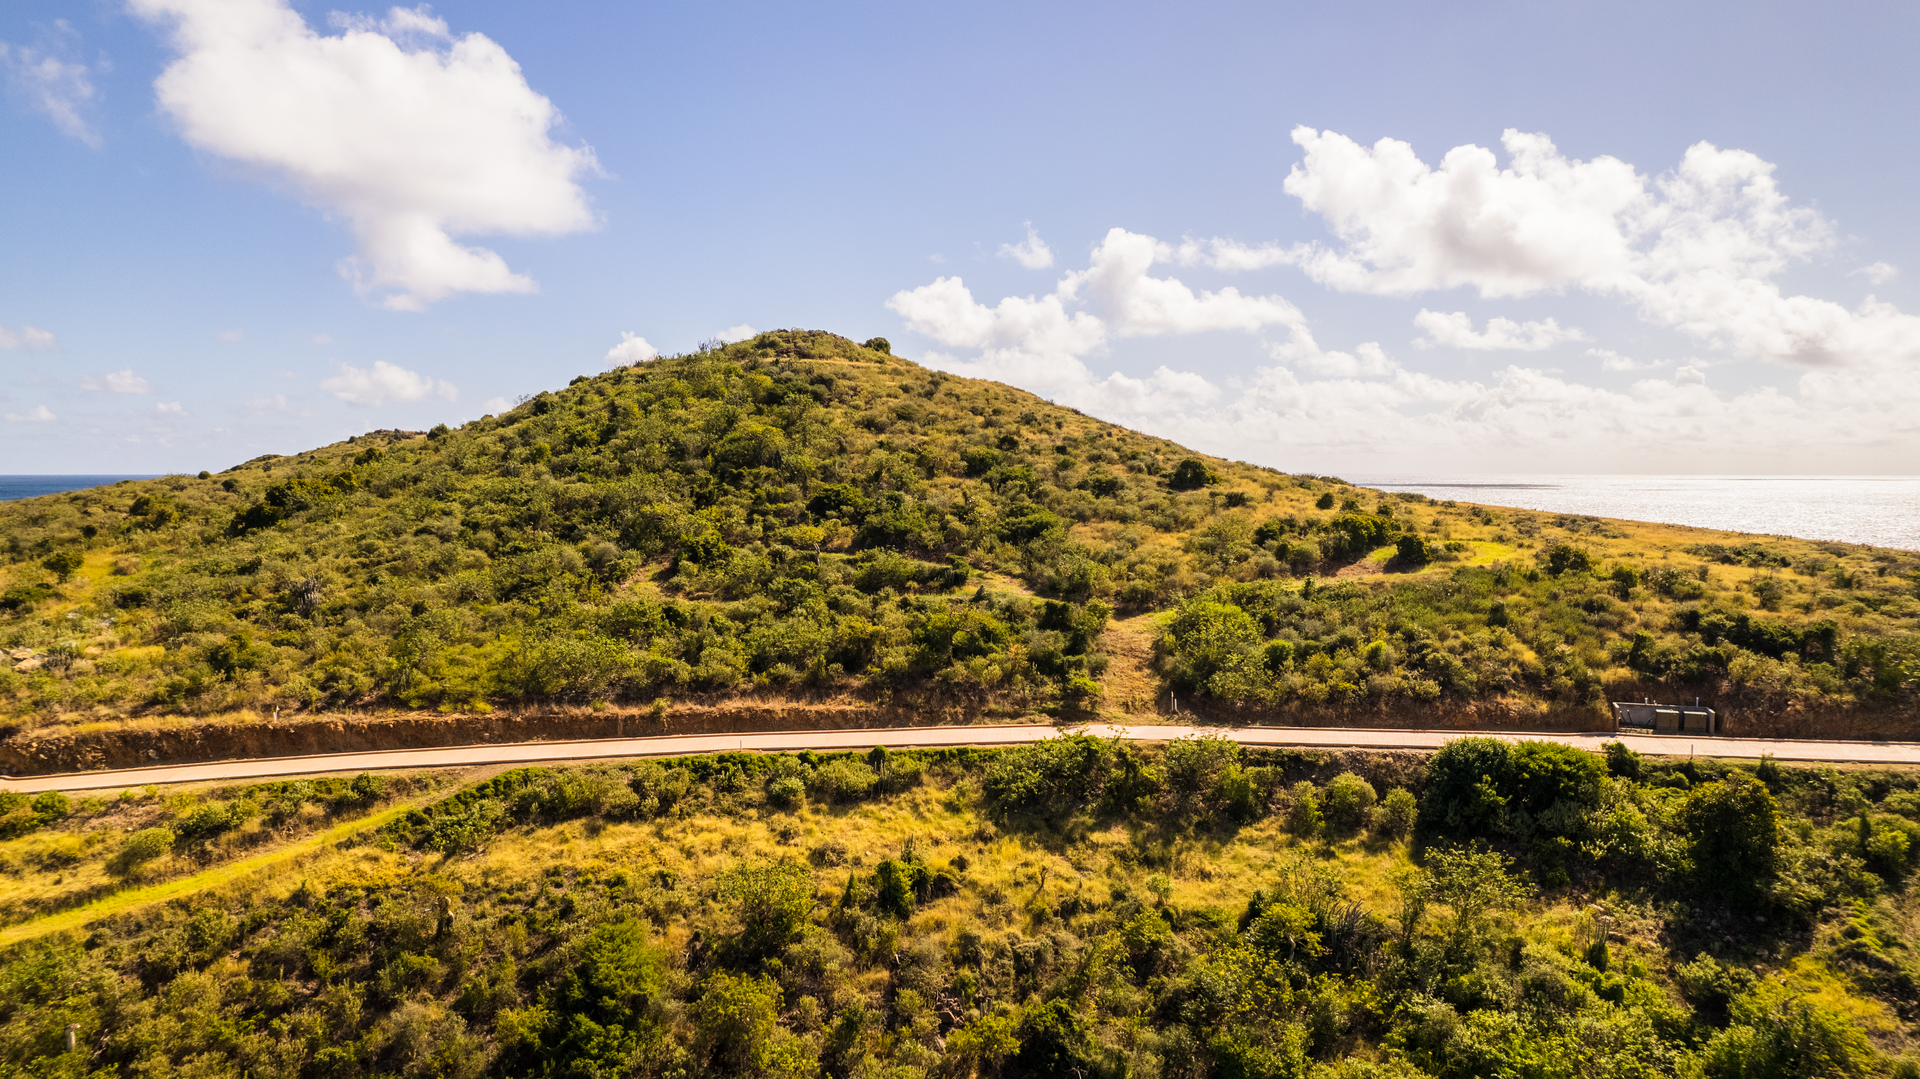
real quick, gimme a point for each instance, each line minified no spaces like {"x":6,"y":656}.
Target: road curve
{"x":924,"y":738}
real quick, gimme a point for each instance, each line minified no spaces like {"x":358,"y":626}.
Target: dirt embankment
{"x":38,"y":753}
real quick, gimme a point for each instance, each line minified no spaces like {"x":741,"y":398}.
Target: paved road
{"x":925,"y":737}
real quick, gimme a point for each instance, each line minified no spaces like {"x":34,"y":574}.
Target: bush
{"x":140,"y":848}
{"x":1303,"y":816}
{"x":786,"y":792}
{"x":1191,"y":474}
{"x":1396,"y":813}
{"x":843,"y":780}
{"x":1349,"y":801}
{"x":1733,"y":832}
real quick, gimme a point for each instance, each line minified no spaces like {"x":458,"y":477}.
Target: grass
{"x":139,"y":898}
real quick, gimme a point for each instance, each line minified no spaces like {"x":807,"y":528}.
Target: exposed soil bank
{"x":31,"y":753}
{"x":50,"y":752}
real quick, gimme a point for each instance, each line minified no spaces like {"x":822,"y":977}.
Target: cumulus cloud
{"x":171,"y":408}
{"x":1879,"y":273}
{"x":410,"y":133}
{"x":61,"y":90}
{"x":323,"y":339}
{"x":1320,"y":408}
{"x":25,"y":337}
{"x":1697,"y":249}
{"x":385,"y":383}
{"x":1456,"y":331}
{"x":736,"y":333}
{"x":124,"y":381}
{"x":632,"y":349}
{"x":497,"y":405}
{"x":1040,"y":342}
{"x":264,"y":406}
{"x":36,"y":414}
{"x":1032,"y":252}
{"x":1613,"y":361}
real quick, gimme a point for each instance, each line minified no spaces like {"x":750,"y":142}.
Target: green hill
{"x":1076,"y":907}
{"x":800,"y":516}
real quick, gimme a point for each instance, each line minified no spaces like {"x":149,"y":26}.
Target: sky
{"x":1364,"y":240}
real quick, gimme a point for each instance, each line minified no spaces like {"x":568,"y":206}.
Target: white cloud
{"x":1032,"y":252}
{"x":496,"y":405}
{"x":411,"y":134}
{"x":1456,"y":331}
{"x":115,"y":382}
{"x":36,"y":414}
{"x":1879,"y":273}
{"x":172,"y":408}
{"x":1613,"y":361}
{"x":25,"y":337}
{"x":632,"y":349}
{"x":60,"y":89}
{"x":1230,"y":255}
{"x":384,"y":383}
{"x":1696,"y":249}
{"x":261,"y":406}
{"x":1322,"y":409}
{"x":737,"y":333}
{"x":323,"y":339}
{"x":1039,"y":342}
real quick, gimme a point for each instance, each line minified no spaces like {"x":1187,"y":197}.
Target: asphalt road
{"x":925,"y":737}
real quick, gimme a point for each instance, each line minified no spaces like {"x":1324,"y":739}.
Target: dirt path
{"x":132,"y":899}
{"x":1131,"y":686}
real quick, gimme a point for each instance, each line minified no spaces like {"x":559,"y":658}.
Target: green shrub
{"x":140,"y":848}
{"x":1396,"y":813}
{"x":1349,"y":801}
{"x":1303,"y":813}
{"x":843,"y":780}
{"x":1733,"y":832}
{"x":786,"y":792}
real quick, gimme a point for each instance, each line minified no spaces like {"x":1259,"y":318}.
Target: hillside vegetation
{"x":801,"y":516}
{"x":1076,"y":907}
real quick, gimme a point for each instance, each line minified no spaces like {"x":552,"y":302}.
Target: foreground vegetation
{"x":804,"y":516}
{"x":1074,"y":907}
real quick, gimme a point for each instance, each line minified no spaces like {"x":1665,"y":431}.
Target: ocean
{"x":12,"y":487}
{"x":1881,"y":510}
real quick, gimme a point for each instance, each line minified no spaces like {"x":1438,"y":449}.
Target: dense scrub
{"x":803,"y":515}
{"x":1075,"y":907}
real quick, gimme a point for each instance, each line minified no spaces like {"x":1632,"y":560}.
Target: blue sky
{"x":232,"y":227}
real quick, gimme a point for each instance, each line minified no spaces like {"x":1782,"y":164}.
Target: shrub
{"x":1396,"y":813}
{"x":1303,"y":816}
{"x":786,"y":792}
{"x":140,"y":848}
{"x":1191,"y":474}
{"x":1733,"y":832}
{"x":1349,"y":800}
{"x":63,"y":564}
{"x":843,"y":780}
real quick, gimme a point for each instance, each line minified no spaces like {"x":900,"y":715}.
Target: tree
{"x":64,"y":564}
{"x":771,"y":903}
{"x":1733,"y":830}
{"x":1191,"y":475}
{"x":1565,"y":558}
{"x":1474,"y":885}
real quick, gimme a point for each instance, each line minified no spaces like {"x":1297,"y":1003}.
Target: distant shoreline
{"x":13,"y":488}
{"x":1883,"y":511}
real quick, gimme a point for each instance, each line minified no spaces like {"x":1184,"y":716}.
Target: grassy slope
{"x":798,"y":516}
{"x":389,"y":958}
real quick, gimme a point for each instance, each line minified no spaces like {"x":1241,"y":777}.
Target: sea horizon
{"x":1880,"y":510}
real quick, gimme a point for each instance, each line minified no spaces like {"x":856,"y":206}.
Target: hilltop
{"x":802,"y":519}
